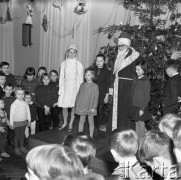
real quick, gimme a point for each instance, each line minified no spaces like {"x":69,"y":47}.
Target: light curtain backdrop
{"x":6,"y":39}
{"x":64,"y":27}
{"x":49,"y":47}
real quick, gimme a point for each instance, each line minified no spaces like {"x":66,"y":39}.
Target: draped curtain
{"x":64,"y":27}
{"x":6,"y":37}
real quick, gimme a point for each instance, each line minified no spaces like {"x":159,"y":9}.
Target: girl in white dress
{"x":71,"y":76}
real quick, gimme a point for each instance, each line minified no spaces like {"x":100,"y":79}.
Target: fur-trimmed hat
{"x":124,"y":39}
{"x":72,"y":46}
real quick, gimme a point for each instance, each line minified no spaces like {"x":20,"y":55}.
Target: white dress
{"x":71,"y":77}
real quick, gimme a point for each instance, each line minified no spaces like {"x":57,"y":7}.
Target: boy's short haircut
{"x":2,"y":74}
{"x":8,"y":85}
{"x":44,"y":75}
{"x":171,"y":64}
{"x":19,"y":89}
{"x":54,"y":160}
{"x":177,"y":135}
{"x":83,"y":146}
{"x":4,"y":64}
{"x":124,"y":142}
{"x":28,"y":93}
{"x":168,"y":121}
{"x":155,"y":144}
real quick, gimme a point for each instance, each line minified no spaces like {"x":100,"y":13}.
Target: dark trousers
{"x":54,"y":114}
{"x":10,"y":135}
{"x":3,"y":138}
{"x":19,"y":136}
{"x":44,"y":120}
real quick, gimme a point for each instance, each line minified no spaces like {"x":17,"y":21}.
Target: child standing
{"x":140,"y":94}
{"x":87,"y":101}
{"x":3,"y":130}
{"x":172,"y":89}
{"x":103,"y":81}
{"x":5,"y":68}
{"x":33,"y":113}
{"x":55,"y":110}
{"x":46,"y":97}
{"x":19,"y":119}
{"x":8,"y":100}
{"x":29,"y":82}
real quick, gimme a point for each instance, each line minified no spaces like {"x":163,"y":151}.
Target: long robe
{"x":71,"y":77}
{"x":122,"y":94}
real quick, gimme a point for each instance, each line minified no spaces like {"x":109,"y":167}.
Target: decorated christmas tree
{"x":155,"y":43}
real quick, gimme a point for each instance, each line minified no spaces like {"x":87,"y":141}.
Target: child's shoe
{"x":24,"y":150}
{"x":17,"y":151}
{"x":4,"y":154}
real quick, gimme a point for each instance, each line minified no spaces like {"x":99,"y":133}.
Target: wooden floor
{"x":14,"y":168}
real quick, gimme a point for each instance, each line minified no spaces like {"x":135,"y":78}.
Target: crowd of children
{"x":35,"y":105}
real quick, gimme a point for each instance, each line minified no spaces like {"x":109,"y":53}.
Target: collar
{"x":175,"y":74}
{"x":127,"y":163}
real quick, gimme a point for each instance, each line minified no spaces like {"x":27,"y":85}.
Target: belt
{"x":125,"y":78}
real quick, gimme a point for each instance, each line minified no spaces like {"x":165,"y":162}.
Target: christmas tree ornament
{"x":109,"y":36}
{"x":81,"y":7}
{"x":29,"y":15}
{"x":172,"y":17}
{"x":178,"y":15}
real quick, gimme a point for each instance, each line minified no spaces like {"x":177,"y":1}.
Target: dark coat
{"x":103,"y":81}
{"x":171,"y":92}
{"x":46,"y":95}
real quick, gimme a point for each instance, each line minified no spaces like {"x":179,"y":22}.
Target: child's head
{"x":2,"y":78}
{"x":83,"y":146}
{"x":177,"y":140}
{"x":155,"y":149}
{"x":28,"y":97}
{"x":167,"y":123}
{"x":171,"y":67}
{"x":141,"y":68}
{"x":4,"y":66}
{"x":72,"y":51}
{"x":48,"y":162}
{"x":100,"y":60}
{"x":45,"y":79}
{"x":53,"y":75}
{"x":1,"y":104}
{"x":123,"y":144}
{"x":90,"y":75}
{"x":41,"y":71}
{"x":30,"y":73}
{"x":8,"y":89}
{"x":19,"y":93}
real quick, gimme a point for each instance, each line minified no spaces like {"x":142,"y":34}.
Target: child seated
{"x":124,"y":146}
{"x":84,"y":147}
{"x":53,"y":162}
{"x":5,"y":68}
{"x":167,"y":123}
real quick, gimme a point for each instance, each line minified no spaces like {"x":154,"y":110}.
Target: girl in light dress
{"x":71,"y":77}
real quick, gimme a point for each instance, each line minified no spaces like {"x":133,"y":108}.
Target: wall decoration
{"x":45,"y":23}
{"x":29,"y":15}
{"x":81,"y":7}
